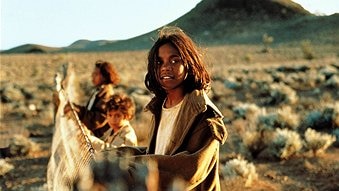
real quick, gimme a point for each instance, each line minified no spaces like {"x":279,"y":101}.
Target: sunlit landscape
{"x":275,"y":78}
{"x":260,"y":95}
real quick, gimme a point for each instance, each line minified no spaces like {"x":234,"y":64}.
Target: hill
{"x":32,"y":48}
{"x":86,"y":44}
{"x":215,"y":22}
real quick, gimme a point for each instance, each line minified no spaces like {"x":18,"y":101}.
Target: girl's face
{"x":97,"y":78}
{"x":171,"y":71}
{"x":115,"y":118}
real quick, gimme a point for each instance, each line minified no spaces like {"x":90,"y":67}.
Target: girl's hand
{"x":67,"y":108}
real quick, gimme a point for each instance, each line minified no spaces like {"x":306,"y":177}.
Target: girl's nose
{"x":166,"y":66}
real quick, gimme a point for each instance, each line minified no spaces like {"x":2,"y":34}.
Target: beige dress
{"x":125,"y":136}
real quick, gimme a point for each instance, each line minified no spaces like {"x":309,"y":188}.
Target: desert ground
{"x":289,"y":87}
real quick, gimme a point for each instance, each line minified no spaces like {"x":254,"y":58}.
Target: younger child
{"x":120,"y":110}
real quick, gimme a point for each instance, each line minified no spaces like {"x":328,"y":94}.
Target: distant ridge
{"x":214,"y":22}
{"x":32,"y":48}
{"x":87,"y":44}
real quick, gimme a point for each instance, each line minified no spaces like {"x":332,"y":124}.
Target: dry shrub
{"x":284,"y":117}
{"x":259,"y":131}
{"x":248,"y":111}
{"x":252,"y":140}
{"x":281,"y":93}
{"x":259,"y":138}
{"x":245,"y":122}
{"x":20,"y":145}
{"x":332,"y":82}
{"x":232,"y":83}
{"x":278,"y":76}
{"x":258,"y":77}
{"x":267,"y":41}
{"x":254,"y":137}
{"x":306,"y":47}
{"x":308,"y":103}
{"x":220,"y":93}
{"x":240,"y":167}
{"x":5,"y":167}
{"x":286,"y":143}
{"x":328,"y":71}
{"x":257,"y":141}
{"x":267,"y":121}
{"x":287,"y":118}
{"x":323,"y":119}
{"x":318,"y":142}
{"x":304,"y":80}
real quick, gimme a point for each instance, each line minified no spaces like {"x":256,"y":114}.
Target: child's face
{"x":115,"y":118}
{"x":97,"y":77}
{"x":171,"y":69}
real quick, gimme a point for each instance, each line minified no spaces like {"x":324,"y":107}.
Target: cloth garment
{"x":193,"y":151}
{"x":95,"y":118}
{"x":92,"y":99}
{"x":166,"y":126}
{"x":125,"y":136}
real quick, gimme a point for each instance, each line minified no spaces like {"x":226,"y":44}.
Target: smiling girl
{"x":187,"y":128}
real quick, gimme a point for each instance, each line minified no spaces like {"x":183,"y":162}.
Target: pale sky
{"x":59,"y":23}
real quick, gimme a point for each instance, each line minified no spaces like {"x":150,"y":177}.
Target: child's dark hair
{"x":197,"y":78}
{"x":122,"y":103}
{"x":108,"y":72}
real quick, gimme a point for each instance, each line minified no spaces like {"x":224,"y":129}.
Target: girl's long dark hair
{"x":197,"y":78}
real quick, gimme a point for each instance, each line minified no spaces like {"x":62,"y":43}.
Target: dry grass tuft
{"x":240,"y":167}
{"x":318,"y":142}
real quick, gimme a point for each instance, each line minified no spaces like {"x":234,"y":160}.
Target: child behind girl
{"x":120,"y":110}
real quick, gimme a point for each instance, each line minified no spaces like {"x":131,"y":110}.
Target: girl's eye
{"x":175,"y":60}
{"x":171,"y":61}
{"x":158,"y":62}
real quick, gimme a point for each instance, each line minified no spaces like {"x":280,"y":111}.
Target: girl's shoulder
{"x":106,"y":90}
{"x":200,"y":102}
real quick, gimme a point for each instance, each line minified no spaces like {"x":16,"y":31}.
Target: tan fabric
{"x":97,"y":144}
{"x":124,"y":137}
{"x":95,"y":118}
{"x":193,"y":153}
